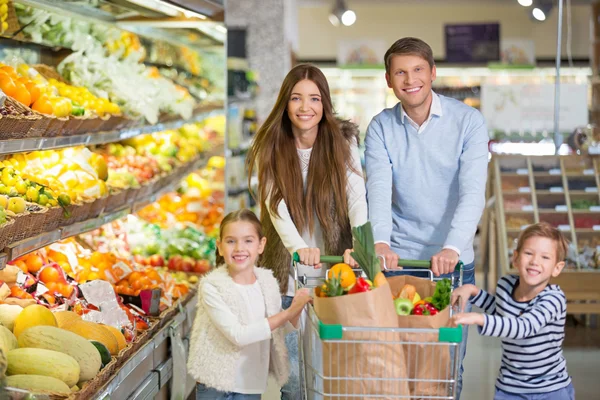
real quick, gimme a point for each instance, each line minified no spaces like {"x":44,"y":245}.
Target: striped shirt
{"x":532,"y":335}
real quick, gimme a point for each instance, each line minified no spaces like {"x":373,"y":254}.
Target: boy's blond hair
{"x":544,"y":229}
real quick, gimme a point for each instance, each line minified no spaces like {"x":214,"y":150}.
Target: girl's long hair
{"x":274,"y":153}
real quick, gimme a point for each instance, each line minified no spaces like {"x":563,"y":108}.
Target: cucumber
{"x":104,"y":353}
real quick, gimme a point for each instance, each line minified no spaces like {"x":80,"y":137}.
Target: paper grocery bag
{"x":426,"y":357}
{"x":366,"y":363}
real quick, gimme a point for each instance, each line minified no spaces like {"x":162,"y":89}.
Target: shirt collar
{"x":436,"y":108}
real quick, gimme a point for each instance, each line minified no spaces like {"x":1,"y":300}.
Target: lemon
{"x":16,"y":205}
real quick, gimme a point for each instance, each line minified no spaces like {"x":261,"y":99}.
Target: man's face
{"x":410,"y":77}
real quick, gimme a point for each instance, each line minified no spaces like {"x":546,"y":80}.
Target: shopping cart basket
{"x":330,"y":354}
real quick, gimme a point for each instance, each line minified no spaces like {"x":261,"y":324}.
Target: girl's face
{"x":240,"y":245}
{"x":305,"y":108}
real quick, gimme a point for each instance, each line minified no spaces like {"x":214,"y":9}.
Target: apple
{"x":187,"y":264}
{"x":403,"y":306}
{"x":156,"y":260}
{"x":138,"y":259}
{"x":201,"y":267}
{"x":174,"y":263}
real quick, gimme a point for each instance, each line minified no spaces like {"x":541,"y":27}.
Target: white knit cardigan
{"x":213,"y":358}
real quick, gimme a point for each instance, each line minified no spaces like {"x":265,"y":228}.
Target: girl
{"x":238,"y":334}
{"x":310,"y":186}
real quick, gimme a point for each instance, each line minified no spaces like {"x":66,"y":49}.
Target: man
{"x":426,"y":163}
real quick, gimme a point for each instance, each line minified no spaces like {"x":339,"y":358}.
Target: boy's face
{"x":410,"y":77}
{"x":537,"y":261}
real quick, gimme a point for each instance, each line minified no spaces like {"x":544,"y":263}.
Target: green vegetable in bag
{"x":441,"y":297}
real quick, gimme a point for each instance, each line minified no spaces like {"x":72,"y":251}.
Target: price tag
{"x":588,"y":172}
{"x":596,"y":227}
{"x":564,"y":227}
{"x":527,"y":208}
{"x":595,"y":208}
{"x":556,"y":189}
{"x":526,"y":189}
{"x":561,"y":208}
{"x":523,"y":171}
{"x":591,"y":190}
{"x":554,"y":171}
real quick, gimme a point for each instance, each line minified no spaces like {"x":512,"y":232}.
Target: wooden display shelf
{"x":581,"y":285}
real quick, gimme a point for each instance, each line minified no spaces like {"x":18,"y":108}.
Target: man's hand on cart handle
{"x":461,"y":296}
{"x":389,"y":259}
{"x":444,"y":262}
{"x":310,"y":256}
{"x":349,"y":260}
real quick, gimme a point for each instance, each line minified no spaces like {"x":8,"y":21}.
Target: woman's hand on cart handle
{"x":461,"y":296}
{"x":444,"y":262}
{"x":310,"y":256}
{"x":349,"y":260}
{"x":389,"y":259}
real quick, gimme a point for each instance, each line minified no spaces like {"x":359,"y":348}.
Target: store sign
{"x":530,"y":108}
{"x":472,"y":43}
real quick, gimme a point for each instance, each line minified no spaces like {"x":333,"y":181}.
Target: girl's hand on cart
{"x":469,"y":319}
{"x":310,"y":256}
{"x":349,"y":260}
{"x":444,"y":262}
{"x":301,"y":298}
{"x":461,"y":295}
{"x":389,"y":259}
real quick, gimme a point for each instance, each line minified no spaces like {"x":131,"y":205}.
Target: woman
{"x":311,"y":188}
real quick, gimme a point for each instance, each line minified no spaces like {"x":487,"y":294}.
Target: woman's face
{"x":305,"y":108}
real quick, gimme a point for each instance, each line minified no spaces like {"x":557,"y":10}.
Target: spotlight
{"x":525,"y":3}
{"x":341,"y":13}
{"x":541,"y":10}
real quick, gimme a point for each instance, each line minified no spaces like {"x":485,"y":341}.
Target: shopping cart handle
{"x":403,"y":263}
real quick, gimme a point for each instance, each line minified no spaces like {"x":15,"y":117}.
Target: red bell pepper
{"x":431,"y":308}
{"x":360,"y":286}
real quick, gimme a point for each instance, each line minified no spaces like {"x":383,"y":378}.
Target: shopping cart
{"x":331,"y":354}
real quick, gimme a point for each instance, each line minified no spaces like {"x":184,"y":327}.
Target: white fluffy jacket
{"x":213,"y":358}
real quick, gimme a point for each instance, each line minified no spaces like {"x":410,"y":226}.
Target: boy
{"x":529,"y":315}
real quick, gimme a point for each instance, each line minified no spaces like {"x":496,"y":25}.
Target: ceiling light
{"x":525,"y":3}
{"x":538,"y":14}
{"x":341,"y":13}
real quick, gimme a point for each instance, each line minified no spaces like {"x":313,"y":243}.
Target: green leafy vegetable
{"x":441,"y":297}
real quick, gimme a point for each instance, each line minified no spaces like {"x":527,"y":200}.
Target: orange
{"x":42,"y":104}
{"x":34,"y":91}
{"x":52,"y":287}
{"x":56,"y":256}
{"x":51,"y":300}
{"x":344,"y":273}
{"x":50,"y":274}
{"x":9,"y":70}
{"x":65,"y":289}
{"x":134,"y":277}
{"x":93,"y":276}
{"x":22,"y":94}
{"x":65,"y":266}
{"x":22,"y":265}
{"x":34,"y":263}
{"x":96,"y":258}
{"x":8,"y":86}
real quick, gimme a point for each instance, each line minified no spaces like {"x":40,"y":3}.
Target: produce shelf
{"x":30,"y":244}
{"x":32,"y":144}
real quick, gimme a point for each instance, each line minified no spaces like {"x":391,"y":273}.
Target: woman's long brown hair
{"x":274,"y":153}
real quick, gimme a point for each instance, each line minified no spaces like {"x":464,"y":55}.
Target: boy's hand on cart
{"x":310,"y":256}
{"x":348,"y":258}
{"x":461,"y":295}
{"x":444,"y":262}
{"x":389,"y":259}
{"x":469,"y":319}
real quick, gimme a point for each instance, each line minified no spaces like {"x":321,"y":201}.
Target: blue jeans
{"x":293,"y":389}
{"x":468,"y":277}
{"x":566,"y":393}
{"x":204,"y":392}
